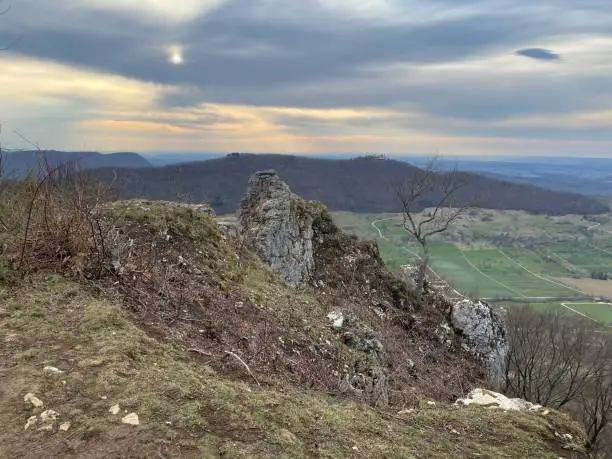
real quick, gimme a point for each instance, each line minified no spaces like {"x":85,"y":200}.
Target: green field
{"x":502,"y":255}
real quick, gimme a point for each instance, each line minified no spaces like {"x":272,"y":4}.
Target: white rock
{"x":64,"y":426}
{"x":34,"y":400}
{"x":484,"y":397}
{"x":484,"y":335}
{"x":131,"y":419}
{"x":115,"y":409}
{"x":336,"y":318}
{"x":49,"y":416}
{"x":276,"y":224}
{"x":49,"y":369}
{"x":31,"y":421}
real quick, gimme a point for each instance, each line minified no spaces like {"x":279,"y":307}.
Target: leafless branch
{"x":244,"y":365}
{"x":429,"y":188}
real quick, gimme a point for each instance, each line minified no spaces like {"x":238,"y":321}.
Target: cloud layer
{"x":395,"y":76}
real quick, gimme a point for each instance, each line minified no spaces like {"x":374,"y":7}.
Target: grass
{"x":542,"y":252}
{"x":187,"y":409}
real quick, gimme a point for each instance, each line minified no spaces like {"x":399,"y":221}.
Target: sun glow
{"x":176,"y":55}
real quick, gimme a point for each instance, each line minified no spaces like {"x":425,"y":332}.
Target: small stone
{"x":408,"y":411}
{"x":131,"y":419}
{"x":46,"y":427}
{"x":431,"y":403}
{"x":64,"y":426}
{"x":103,"y":397}
{"x":34,"y":400}
{"x":49,"y":369}
{"x":49,"y":415}
{"x":115,"y":409}
{"x":31,"y":421}
{"x":336,"y":318}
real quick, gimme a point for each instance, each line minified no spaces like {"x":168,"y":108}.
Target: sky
{"x":443,"y":77}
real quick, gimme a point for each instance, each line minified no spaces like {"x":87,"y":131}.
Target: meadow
{"x":509,"y":258}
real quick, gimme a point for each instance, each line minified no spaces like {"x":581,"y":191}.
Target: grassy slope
{"x":187,"y":409}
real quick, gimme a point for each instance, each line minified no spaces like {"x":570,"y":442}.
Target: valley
{"x":509,"y":257}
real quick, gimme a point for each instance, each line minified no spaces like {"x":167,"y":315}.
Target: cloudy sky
{"x":486,"y":77}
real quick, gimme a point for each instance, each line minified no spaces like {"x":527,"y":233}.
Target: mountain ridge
{"x":364,"y":185}
{"x":16,"y":164}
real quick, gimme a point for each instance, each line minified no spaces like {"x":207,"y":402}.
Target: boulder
{"x":483,"y":334}
{"x":276,"y":224}
{"x":488,"y":398}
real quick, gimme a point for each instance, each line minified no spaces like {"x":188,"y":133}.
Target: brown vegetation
{"x":595,"y":287}
{"x":220,"y":356}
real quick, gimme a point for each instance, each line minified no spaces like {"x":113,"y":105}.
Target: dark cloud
{"x":235,"y":55}
{"x":539,"y":54}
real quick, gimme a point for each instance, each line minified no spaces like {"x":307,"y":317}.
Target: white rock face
{"x":483,"y":333}
{"x":487,"y":398}
{"x":274,"y":225}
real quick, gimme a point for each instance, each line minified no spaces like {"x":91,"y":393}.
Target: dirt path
{"x":380,"y":234}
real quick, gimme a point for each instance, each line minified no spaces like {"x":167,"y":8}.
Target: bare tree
{"x":550,"y":360}
{"x":595,"y":404}
{"x":563,"y":362}
{"x":430,"y":204}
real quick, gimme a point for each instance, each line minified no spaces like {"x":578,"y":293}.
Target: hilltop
{"x":357,"y":185}
{"x":150,"y":329}
{"x":17,"y":164}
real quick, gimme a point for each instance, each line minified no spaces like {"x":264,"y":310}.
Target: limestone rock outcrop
{"x":483,"y":334}
{"x":275,"y":224}
{"x":488,"y":398}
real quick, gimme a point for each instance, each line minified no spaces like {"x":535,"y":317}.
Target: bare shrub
{"x":564,"y":362}
{"x":57,"y":221}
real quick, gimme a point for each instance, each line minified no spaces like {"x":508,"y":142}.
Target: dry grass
{"x":187,"y":409}
{"x":172,"y":319}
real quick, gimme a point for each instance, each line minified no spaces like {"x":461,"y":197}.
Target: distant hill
{"x":589,"y":176}
{"x":17,"y":164}
{"x":358,"y":185}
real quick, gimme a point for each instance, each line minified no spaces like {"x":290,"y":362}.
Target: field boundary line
{"x":550,"y":281}
{"x":578,"y":312}
{"x":477,"y":269}
{"x":599,"y":248}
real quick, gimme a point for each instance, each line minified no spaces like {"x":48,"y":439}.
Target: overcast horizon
{"x":438,"y":77}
